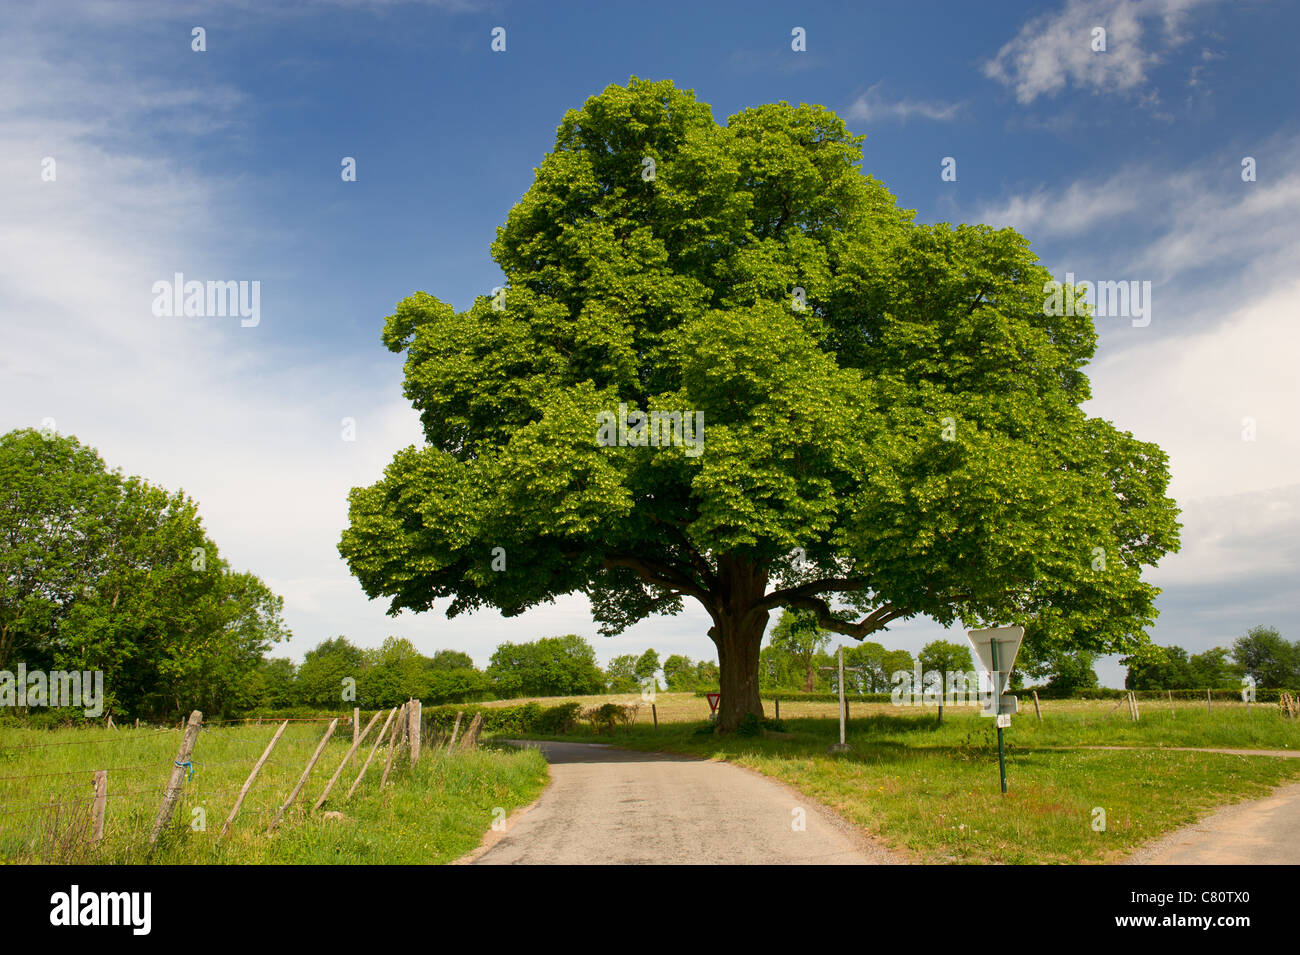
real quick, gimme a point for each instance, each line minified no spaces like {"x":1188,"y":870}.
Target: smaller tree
{"x":679,"y":673}
{"x":551,"y":666}
{"x":799,"y":640}
{"x":1212,"y":670}
{"x":1265,"y":656}
{"x":647,"y":665}
{"x":620,"y":675}
{"x":944,"y":657}
{"x":1153,"y":667}
{"x":324,"y":670}
{"x":451,"y":660}
{"x":276,"y":684}
{"x":707,"y":676}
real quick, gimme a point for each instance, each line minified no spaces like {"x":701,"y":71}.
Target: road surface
{"x":1260,"y":832}
{"x":614,"y":806}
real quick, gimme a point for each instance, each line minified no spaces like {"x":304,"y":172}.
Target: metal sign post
{"x":1002,"y":759}
{"x":997,"y":648}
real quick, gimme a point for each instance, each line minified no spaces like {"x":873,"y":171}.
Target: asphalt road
{"x":614,"y":806}
{"x":1260,"y":832}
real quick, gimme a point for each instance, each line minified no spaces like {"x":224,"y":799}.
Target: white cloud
{"x":250,"y":429}
{"x":872,"y":106}
{"x":1072,"y":211}
{"x":1055,"y":49}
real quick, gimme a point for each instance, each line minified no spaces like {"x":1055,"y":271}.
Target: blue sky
{"x":224,"y":164}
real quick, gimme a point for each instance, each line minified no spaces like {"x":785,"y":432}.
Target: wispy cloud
{"x":1054,"y":50}
{"x":873,"y":106}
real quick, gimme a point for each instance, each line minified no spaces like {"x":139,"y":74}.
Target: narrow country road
{"x":1260,"y":832}
{"x":620,"y":807}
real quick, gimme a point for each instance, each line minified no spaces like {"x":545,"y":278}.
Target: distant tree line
{"x":1262,"y":654}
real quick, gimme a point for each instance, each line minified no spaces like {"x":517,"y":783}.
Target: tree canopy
{"x":101,"y":571}
{"x":884,"y":399}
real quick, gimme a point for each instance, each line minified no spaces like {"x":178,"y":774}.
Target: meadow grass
{"x":932,"y":791}
{"x":432,"y":813}
{"x":1065,"y":722}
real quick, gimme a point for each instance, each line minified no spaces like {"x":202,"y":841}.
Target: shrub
{"x":558,"y":720}
{"x":604,"y":718}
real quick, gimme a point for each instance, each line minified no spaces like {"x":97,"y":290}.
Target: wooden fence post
{"x":356,"y":741}
{"x":1037,"y":709}
{"x":302,"y":780}
{"x":257,"y":768}
{"x":378,"y":739}
{"x":470,"y":739}
{"x":455,"y":730}
{"x":177,"y":778}
{"x":413,"y":723}
{"x":393,"y":743}
{"x":101,"y":800}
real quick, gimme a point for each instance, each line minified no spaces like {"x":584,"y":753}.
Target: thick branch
{"x":782,"y":598}
{"x":874,"y":621}
{"x":659,"y":574}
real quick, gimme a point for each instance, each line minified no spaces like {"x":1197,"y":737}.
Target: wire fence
{"x":130,"y":791}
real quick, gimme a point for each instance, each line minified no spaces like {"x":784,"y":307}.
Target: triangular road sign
{"x":1008,"y":641}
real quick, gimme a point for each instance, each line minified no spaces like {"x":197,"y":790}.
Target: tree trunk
{"x":738,"y":643}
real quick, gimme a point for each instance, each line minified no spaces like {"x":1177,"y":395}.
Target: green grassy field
{"x":433,"y":813}
{"x":932,"y":792}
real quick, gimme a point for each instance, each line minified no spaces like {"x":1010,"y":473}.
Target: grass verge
{"x":432,"y":813}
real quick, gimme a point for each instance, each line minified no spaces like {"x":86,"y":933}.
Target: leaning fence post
{"x":177,"y":778}
{"x":257,"y":768}
{"x":378,"y":739}
{"x":101,"y":799}
{"x":356,"y":741}
{"x":393,"y":742}
{"x":302,"y":780}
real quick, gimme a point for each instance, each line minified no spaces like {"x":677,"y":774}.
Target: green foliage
{"x":558,"y":720}
{"x":1153,"y":667}
{"x":326,"y":668}
{"x":874,"y":427}
{"x":1266,"y":657}
{"x":620,"y":675}
{"x":793,"y":652}
{"x":875,"y":666}
{"x":943,"y":656}
{"x":1213,"y":670}
{"x":647,"y":665}
{"x":607,"y":716}
{"x":551,"y":666}
{"x":100,"y":571}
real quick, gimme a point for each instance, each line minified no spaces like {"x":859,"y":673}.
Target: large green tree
{"x":102,"y":571}
{"x":885,"y":400}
